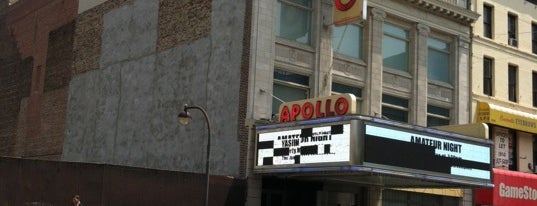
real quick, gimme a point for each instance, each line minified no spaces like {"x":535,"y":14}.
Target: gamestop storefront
{"x":323,"y":154}
{"x":511,"y":188}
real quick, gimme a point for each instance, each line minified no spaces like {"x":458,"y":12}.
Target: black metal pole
{"x":207,"y":158}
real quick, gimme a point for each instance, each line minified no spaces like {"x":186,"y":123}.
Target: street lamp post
{"x":184,"y":118}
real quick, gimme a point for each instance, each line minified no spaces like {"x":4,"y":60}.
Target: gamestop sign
{"x":518,"y":192}
{"x":335,"y":105}
{"x":510,"y":188}
{"x":514,"y":188}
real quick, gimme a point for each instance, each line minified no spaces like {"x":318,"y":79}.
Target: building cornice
{"x":449,"y":10}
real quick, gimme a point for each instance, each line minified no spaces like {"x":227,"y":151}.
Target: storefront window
{"x":533,"y":167}
{"x":512,"y":151}
{"x":402,"y":198}
{"x":278,"y":192}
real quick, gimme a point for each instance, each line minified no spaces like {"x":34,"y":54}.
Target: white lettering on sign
{"x":320,"y":144}
{"x":522,"y":192}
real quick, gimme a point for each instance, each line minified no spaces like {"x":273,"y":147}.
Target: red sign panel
{"x":510,"y":188}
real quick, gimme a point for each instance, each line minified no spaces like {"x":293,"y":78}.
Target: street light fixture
{"x":184,"y":118}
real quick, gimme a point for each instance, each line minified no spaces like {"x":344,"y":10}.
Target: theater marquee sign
{"x":324,"y":134}
{"x":318,"y":144}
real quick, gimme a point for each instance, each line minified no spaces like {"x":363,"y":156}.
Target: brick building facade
{"x":41,"y":33}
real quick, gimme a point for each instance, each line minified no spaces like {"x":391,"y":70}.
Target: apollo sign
{"x":335,"y":105}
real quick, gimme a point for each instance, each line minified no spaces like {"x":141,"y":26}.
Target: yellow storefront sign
{"x":489,"y":113}
{"x":443,"y":192}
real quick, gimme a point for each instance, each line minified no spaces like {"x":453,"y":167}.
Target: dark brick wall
{"x":243,"y":90}
{"x":34,"y":116}
{"x":15,"y":82}
{"x":59,"y":57}
{"x":38,"y":182}
{"x":182,"y":21}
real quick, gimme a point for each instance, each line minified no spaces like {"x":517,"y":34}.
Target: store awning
{"x":510,"y":188}
{"x":510,"y":118}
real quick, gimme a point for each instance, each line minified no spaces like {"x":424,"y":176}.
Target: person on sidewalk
{"x":76,"y":200}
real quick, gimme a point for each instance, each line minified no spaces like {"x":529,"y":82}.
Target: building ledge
{"x":450,"y":10}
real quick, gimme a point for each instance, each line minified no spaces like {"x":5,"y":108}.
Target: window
{"x":437,"y":116}
{"x":487,"y":76}
{"x":438,"y":61}
{"x":512,"y":81}
{"x":395,"y":48}
{"x":293,"y":20}
{"x":511,"y":30}
{"x":342,"y":88}
{"x":394,"y":108}
{"x":534,"y":88}
{"x":487,"y":21}
{"x":288,"y":87}
{"x":534,"y":38}
{"x":347,"y":40}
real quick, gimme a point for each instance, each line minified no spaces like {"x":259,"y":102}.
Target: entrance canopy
{"x":372,"y":151}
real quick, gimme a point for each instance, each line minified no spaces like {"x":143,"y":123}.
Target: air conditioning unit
{"x":513,"y":42}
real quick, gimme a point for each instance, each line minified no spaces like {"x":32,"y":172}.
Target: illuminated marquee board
{"x":390,"y":147}
{"x":319,"y":144}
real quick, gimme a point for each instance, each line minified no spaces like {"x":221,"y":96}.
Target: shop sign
{"x":292,"y":147}
{"x":389,"y":147}
{"x":335,"y":105}
{"x":510,"y":188}
{"x":489,"y":113}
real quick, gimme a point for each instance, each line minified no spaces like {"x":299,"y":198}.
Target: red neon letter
{"x":295,"y":111}
{"x":342,"y":106}
{"x":327,"y":106}
{"x":284,"y":114}
{"x":307,"y":110}
{"x":318,"y":113}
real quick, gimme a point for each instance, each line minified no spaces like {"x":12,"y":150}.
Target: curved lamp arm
{"x":184,"y":118}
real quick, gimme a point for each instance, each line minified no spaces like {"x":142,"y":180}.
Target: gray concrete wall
{"x":125,"y":112}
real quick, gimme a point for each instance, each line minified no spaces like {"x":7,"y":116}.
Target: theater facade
{"x":322,"y":153}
